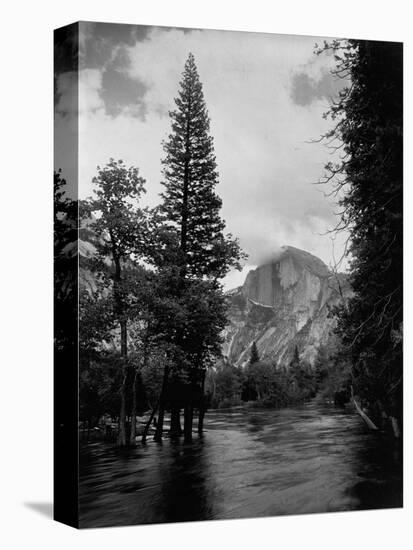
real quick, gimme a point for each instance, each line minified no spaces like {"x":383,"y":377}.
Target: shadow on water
{"x":248,"y":464}
{"x":381,"y":484}
{"x":151,"y":484}
{"x":187,"y":494}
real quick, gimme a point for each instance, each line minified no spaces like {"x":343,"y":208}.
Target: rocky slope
{"x":283,"y":304}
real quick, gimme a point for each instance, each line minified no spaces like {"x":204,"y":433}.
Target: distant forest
{"x":152,"y":307}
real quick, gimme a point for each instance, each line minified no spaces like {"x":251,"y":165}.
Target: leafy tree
{"x":260,"y":377}
{"x":65,"y":263}
{"x":302,"y":378}
{"x":64,"y":214}
{"x":368,"y":179}
{"x":224,"y":384}
{"x":203,"y":254}
{"x":332,"y":373}
{"x":120,"y":228}
{"x":269,"y":386}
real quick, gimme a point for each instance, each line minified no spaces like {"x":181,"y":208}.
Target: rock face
{"x":283,"y":304}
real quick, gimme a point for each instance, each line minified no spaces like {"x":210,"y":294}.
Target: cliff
{"x":283,"y":304}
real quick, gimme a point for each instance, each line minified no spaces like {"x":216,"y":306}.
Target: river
{"x":249,"y":463}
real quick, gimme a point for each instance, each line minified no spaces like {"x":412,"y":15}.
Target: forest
{"x":152,"y":307}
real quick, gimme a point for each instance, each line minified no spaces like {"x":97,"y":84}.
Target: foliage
{"x":121,"y":222}
{"x":261,"y":383}
{"x":64,"y":214}
{"x":333,"y":374}
{"x":65,"y":265}
{"x":224,"y":385}
{"x":120,"y":228}
{"x":368,"y":179}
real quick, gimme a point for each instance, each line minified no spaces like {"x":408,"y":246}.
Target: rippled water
{"x":248,"y":464}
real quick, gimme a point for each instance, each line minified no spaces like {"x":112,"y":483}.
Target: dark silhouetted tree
{"x":368,"y":178}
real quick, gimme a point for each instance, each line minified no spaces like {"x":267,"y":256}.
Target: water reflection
{"x":248,"y":464}
{"x":187,"y":493}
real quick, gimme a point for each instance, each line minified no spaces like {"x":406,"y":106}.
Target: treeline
{"x":367,"y":178}
{"x":264,"y":384}
{"x":152,"y":308}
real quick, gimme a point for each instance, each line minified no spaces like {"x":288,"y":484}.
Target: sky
{"x":266,"y":95}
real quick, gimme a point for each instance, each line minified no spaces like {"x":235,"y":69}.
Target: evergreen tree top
{"x":190,"y":203}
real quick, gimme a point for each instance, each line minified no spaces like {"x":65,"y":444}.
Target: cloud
{"x":120,"y":92}
{"x":66,"y":92}
{"x":99,"y":43}
{"x":305,"y":89}
{"x":90,"y":85}
{"x":266,"y":95}
{"x":79,"y":92}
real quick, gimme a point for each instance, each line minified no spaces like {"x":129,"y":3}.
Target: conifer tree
{"x":190,"y":177}
{"x":191,"y":210}
{"x":254,"y":357}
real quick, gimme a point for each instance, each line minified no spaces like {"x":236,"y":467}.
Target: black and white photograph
{"x":228,"y":274}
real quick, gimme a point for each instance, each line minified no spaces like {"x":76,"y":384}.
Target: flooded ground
{"x":249,"y":463}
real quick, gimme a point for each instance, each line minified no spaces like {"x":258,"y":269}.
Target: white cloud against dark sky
{"x":266,"y":95}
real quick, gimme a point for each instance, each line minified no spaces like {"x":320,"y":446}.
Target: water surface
{"x":249,"y":463}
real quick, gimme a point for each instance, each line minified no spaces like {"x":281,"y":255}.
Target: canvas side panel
{"x":66,"y":451}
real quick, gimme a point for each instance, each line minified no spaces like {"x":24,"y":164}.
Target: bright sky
{"x":266,"y":95}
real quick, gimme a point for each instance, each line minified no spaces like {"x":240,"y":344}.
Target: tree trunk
{"x":144,"y":364}
{"x":363,"y":415}
{"x":159,"y":425}
{"x":201,"y":420}
{"x":148,"y":424}
{"x":395,"y":426}
{"x":122,"y":413}
{"x":188,"y":420}
{"x":122,"y":416}
{"x":132,"y":437}
{"x":162,"y":400}
{"x":176,"y":429}
{"x":202,"y":405}
{"x":123,"y":343}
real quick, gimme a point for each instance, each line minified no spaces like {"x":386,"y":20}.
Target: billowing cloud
{"x":121,"y":92}
{"x":306,"y":89}
{"x":99,"y":43}
{"x":266,"y":95}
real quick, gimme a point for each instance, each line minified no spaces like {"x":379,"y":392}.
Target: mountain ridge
{"x":284,"y":303}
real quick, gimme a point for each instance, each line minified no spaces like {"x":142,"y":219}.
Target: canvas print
{"x":228,"y":274}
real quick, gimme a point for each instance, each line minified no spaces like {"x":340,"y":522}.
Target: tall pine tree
{"x":204,"y":254}
{"x":190,"y":178}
